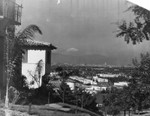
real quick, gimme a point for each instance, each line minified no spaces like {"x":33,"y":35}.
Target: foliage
{"x":13,"y":95}
{"x":85,"y":99}
{"x":28,"y":32}
{"x":14,"y":53}
{"x":35,"y":96}
{"x":139,"y":11}
{"x":90,"y":102}
{"x":139,"y":83}
{"x":138,"y":91}
{"x":136,"y":95}
{"x":77,"y":97}
{"x":65,"y":93}
{"x":15,"y":58}
{"x":37,"y":75}
{"x":59,"y":69}
{"x":118,"y":79}
{"x":139,"y":29}
{"x":112,"y":102}
{"x":49,"y":93}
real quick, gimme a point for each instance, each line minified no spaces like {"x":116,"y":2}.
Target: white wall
{"x":33,"y":57}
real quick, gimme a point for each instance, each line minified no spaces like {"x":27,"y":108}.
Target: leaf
{"x":29,"y":32}
{"x":121,"y":34}
{"x":123,"y":26}
{"x":127,"y":38}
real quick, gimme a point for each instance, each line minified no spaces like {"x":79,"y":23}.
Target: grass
{"x":58,"y":109}
{"x":47,"y":110}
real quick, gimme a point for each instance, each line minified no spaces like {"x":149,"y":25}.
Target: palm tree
{"x":21,"y":38}
{"x":130,"y":33}
{"x":16,"y":56}
{"x":37,"y":76}
{"x":139,"y":29}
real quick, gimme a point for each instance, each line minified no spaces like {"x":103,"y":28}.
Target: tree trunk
{"x":82,"y":102}
{"x":29,"y":110}
{"x":48,"y":97}
{"x":129,"y":112}
{"x":105,"y":110}
{"x":7,"y":72}
{"x":63,"y":97}
{"x":0,"y":96}
{"x":6,"y":97}
{"x":139,"y":107}
{"x":124,"y":112}
{"x":138,"y":113}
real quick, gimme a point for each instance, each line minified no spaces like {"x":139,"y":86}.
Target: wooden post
{"x":129,"y":112}
{"x":48,"y":97}
{"x":29,"y":110}
{"x":82,"y":103}
{"x":48,"y":62}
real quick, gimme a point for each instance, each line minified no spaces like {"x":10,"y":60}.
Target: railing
{"x":11,"y":11}
{"x":18,"y":13}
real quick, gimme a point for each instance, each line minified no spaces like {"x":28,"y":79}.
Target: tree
{"x":140,"y":82}
{"x":126,"y":100}
{"x":137,"y":30}
{"x":14,"y":59}
{"x":64,"y":88}
{"x":65,"y":93}
{"x":37,"y":76}
{"x":88,"y":101}
{"x":137,"y":95}
{"x":112,"y":102}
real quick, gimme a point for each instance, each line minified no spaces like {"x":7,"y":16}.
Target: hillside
{"x":59,"y":109}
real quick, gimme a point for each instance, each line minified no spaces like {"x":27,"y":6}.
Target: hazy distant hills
{"x":89,"y":59}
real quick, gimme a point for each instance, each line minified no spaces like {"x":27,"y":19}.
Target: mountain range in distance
{"x":95,"y":59}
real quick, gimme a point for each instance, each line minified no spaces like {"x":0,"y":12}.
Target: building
{"x":99,"y":79}
{"x":28,"y":66}
{"x":120,"y":84}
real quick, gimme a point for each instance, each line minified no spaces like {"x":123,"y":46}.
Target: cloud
{"x":58,"y":2}
{"x":72,"y":50}
{"x":48,"y":20}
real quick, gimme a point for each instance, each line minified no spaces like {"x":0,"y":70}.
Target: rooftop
{"x":37,"y":45}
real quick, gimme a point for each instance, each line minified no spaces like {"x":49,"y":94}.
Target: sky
{"x":82,"y":26}
{"x":143,"y":3}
